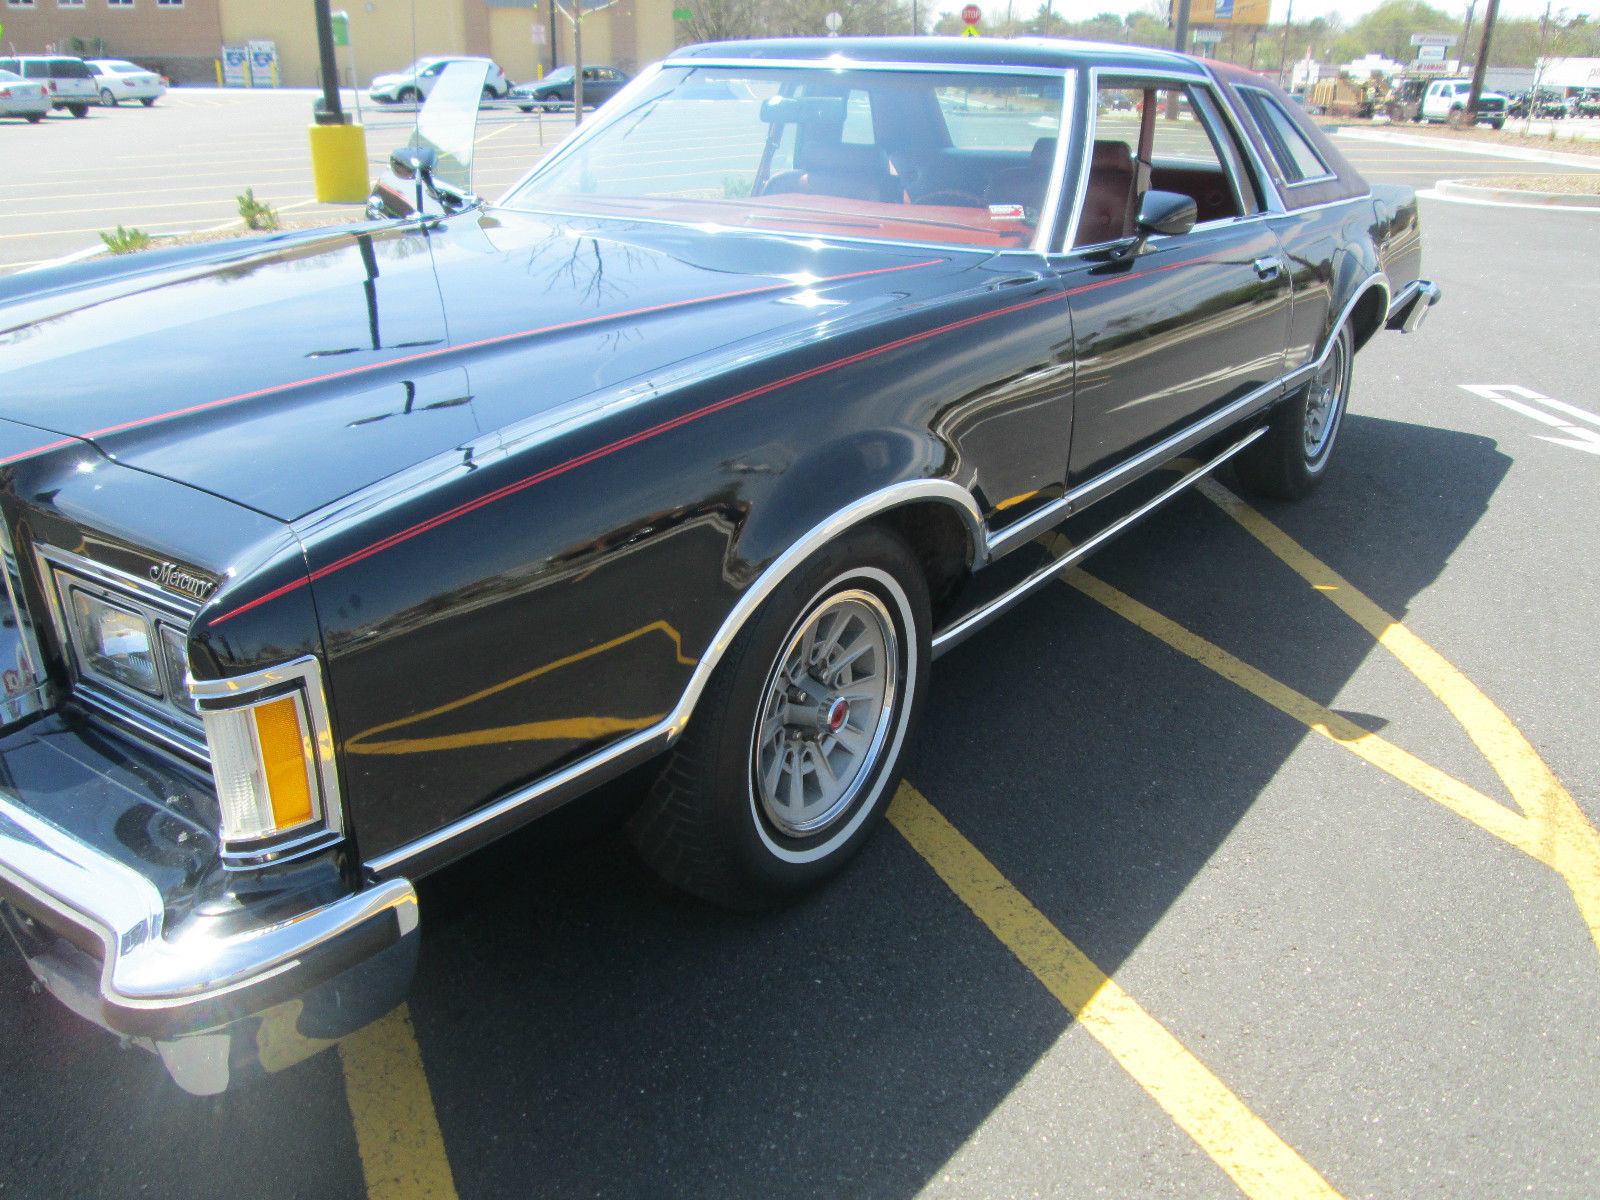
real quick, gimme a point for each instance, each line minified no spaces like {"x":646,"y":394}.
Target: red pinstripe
{"x":633,"y":439}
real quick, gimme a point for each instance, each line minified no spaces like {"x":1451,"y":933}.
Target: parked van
{"x":69,"y":81}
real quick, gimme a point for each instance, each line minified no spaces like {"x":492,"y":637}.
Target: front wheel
{"x":1291,"y":459}
{"x":148,"y":101}
{"x":1497,"y":124}
{"x":78,"y":110}
{"x":408,"y":96}
{"x":107,"y":98}
{"x":796,"y":744}
{"x":35,"y":118}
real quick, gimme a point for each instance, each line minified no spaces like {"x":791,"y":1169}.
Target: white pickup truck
{"x":1446,"y":101}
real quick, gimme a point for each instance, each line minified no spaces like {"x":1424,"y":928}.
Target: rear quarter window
{"x":70,"y":68}
{"x":1296,"y":157}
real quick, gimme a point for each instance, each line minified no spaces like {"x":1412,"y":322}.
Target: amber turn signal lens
{"x":284,"y":753}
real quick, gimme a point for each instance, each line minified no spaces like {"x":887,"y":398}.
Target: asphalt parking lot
{"x":1259,"y":857}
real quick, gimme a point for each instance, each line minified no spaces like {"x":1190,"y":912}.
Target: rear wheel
{"x":148,"y":101}
{"x":408,"y":95}
{"x":107,"y":98}
{"x":796,"y":744}
{"x":78,"y":110}
{"x":1291,"y":459}
{"x":35,"y":118}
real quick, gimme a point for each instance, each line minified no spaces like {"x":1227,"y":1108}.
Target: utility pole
{"x":577,"y":63}
{"x":1466,"y":35}
{"x":1180,"y":28}
{"x":1283,"y":53}
{"x":1482,"y":64}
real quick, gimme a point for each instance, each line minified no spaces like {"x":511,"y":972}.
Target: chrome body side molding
{"x":953,"y":635}
{"x":1134,"y":468}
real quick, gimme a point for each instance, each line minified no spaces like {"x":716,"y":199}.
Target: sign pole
{"x":333,"y":113}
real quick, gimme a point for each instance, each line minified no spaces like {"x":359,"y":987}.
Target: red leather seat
{"x":1108,"y":200}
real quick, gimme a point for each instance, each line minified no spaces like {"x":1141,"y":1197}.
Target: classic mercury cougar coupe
{"x":687,"y":456}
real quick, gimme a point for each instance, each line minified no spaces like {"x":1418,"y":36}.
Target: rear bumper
{"x":1412,"y":305}
{"x":230,"y":988}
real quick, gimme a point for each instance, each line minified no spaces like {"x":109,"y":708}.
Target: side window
{"x":1155,"y":137}
{"x":1296,"y":157}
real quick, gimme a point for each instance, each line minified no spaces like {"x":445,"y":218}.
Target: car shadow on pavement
{"x":589,"y":1032}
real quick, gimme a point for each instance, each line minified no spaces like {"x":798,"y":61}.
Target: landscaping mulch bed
{"x":1567,"y":185}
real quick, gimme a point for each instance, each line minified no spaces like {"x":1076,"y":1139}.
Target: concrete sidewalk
{"x":1587,"y":162}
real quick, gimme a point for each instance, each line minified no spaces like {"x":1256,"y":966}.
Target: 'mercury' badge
{"x":175,"y":577}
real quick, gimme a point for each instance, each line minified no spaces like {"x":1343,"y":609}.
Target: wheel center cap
{"x":838,"y":714}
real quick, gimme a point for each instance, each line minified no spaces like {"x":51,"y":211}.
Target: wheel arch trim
{"x":449,"y":842}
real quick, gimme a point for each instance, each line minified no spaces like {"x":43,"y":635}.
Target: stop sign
{"x":970,"y":14}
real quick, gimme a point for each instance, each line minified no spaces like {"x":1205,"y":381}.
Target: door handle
{"x":1268,"y":266}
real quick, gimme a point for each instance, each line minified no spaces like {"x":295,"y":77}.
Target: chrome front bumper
{"x":221,"y":994}
{"x":1412,"y":305}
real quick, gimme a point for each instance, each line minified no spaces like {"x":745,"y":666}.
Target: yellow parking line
{"x":1430,"y":781}
{"x":391,"y":1106}
{"x":1561,"y":836}
{"x":1262,"y":1165}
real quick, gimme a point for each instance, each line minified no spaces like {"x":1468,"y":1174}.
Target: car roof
{"x":944,"y":51}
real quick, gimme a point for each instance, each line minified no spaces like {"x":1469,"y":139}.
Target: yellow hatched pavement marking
{"x":397,"y":1130}
{"x":1554,"y":829}
{"x":1262,"y":1165}
{"x":1430,"y":781}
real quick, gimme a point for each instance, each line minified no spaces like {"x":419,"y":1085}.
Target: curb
{"x":1583,"y":161}
{"x":1457,"y":190}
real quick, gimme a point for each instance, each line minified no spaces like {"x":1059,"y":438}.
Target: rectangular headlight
{"x":174,"y":668}
{"x":116,"y":642}
{"x":264,"y":762}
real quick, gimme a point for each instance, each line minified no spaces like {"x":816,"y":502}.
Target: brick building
{"x":183,"y":38}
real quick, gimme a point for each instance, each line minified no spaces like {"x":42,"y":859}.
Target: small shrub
{"x":257,"y":214}
{"x":735,"y":188}
{"x":125,"y":241}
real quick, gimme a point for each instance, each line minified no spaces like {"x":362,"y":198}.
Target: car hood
{"x":286,"y":373}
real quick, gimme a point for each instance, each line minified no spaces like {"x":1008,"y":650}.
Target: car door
{"x":1190,"y":324}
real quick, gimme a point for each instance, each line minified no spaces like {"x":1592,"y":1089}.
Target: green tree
{"x":1387,"y":29}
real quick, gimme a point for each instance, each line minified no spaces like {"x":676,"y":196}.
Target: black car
{"x":556,"y":89}
{"x":684,"y":460}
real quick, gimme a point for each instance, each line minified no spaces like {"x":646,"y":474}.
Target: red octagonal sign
{"x":970,"y":14}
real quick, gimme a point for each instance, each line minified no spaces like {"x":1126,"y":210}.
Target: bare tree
{"x":720,"y":20}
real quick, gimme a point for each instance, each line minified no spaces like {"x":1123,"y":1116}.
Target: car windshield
{"x":8,"y":77}
{"x":559,"y":75}
{"x":942,"y":157}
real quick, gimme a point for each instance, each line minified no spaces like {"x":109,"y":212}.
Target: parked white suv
{"x":1446,"y":101}
{"x":69,"y":81}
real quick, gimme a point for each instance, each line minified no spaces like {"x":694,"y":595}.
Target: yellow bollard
{"x":339,"y":163}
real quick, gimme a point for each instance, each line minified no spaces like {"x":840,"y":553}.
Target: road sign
{"x":1433,"y":39}
{"x":682,"y":14}
{"x":341,"y":28}
{"x":1206,"y":37}
{"x":971,"y":14}
{"x":970,"y":31}
{"x":1430,"y":53}
{"x":833,"y":21}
